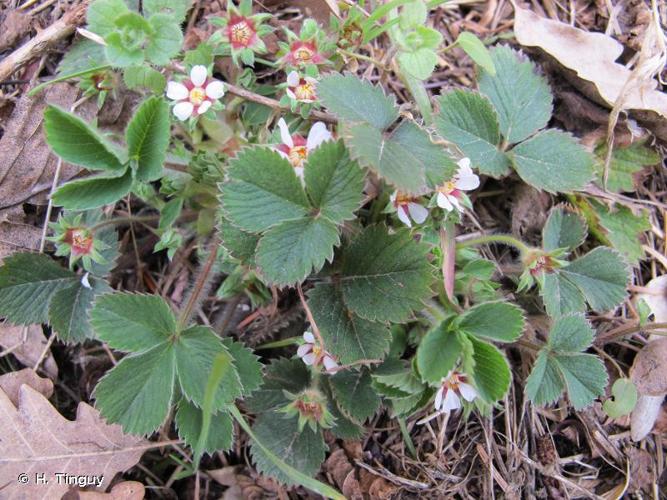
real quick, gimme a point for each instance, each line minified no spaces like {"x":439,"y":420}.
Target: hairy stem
{"x":504,"y":239}
{"x":198,"y":288}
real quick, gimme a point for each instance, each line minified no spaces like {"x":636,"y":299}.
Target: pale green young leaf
{"x":137,"y":393}
{"x":304,"y":450}
{"x":413,"y":14}
{"x":563,"y":229}
{"x":419,"y":63}
{"x":560,"y":296}
{"x":147,"y":137}
{"x":73,"y":140}
{"x":385,"y":277}
{"x":585,"y":377}
{"x":334,"y":183}
{"x":136,"y":77}
{"x":491,"y":374}
{"x":102,"y":13}
{"x":28,"y":283}
{"x":262,"y":190}
{"x":132,"y":322}
{"x":468,"y":120}
{"x":545,"y":383}
{"x":625,"y":163}
{"x":291,"y":375}
{"x":346,"y":335}
{"x":554,"y":161}
{"x":70,"y":307}
{"x":125,"y":45}
{"x":572,"y":333}
{"x":623,"y":400}
{"x":623,"y":229}
{"x":165,"y":41}
{"x":354,"y":394}
{"x":174,"y":8}
{"x":247,"y":365}
{"x":355,"y":100}
{"x":189,"y":421}
{"x":195,"y":351}
{"x":94,"y":192}
{"x":477,"y":51}
{"x":521,"y":97}
{"x":437,"y":354}
{"x":499,"y":321}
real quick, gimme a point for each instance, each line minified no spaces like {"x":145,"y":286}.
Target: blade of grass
{"x":68,"y":76}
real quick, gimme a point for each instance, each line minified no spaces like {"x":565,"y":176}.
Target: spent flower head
{"x":310,"y":406}
{"x":242,"y":32}
{"x":74,"y":238}
{"x":307,"y":48}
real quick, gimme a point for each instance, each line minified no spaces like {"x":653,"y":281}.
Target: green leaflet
{"x":70,"y":307}
{"x":189,"y":421}
{"x":563,"y":229}
{"x":437,"y":354}
{"x":354,"y":394}
{"x":147,"y":137}
{"x":86,"y":194}
{"x":498,"y":321}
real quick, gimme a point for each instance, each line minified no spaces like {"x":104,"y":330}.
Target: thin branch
{"x":199,"y":286}
{"x":309,"y":315}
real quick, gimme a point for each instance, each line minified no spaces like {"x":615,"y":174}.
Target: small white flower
{"x":295,"y":148}
{"x":85,"y":282}
{"x":301,"y":88}
{"x":407,"y":208}
{"x":450,"y":192}
{"x":453,"y":387}
{"x":313,"y":354}
{"x":195,"y":95}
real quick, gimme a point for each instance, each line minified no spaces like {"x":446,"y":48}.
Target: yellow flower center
{"x":303,"y":54}
{"x":402,"y":199}
{"x":241,"y":33}
{"x":447,"y":187}
{"x":317,"y":350}
{"x":305,"y":91}
{"x":197,"y":96}
{"x":297,"y":155}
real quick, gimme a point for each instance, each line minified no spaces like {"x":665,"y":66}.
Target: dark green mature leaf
{"x":545,"y":383}
{"x":553,"y":161}
{"x":76,"y":142}
{"x":189,"y":420}
{"x":437,"y":354}
{"x":560,"y":296}
{"x":625,"y":163}
{"x":195,"y":351}
{"x":247,"y":365}
{"x":240,"y":244}
{"x":491,"y":373}
{"x":291,"y":250}
{"x":262,"y":190}
{"x":147,"y":137}
{"x":70,"y":307}
{"x":304,"y":450}
{"x":354,"y":394}
{"x":355,"y":100}
{"x":28,"y":283}
{"x":521,"y":97}
{"x":585,"y":377}
{"x":291,"y":375}
{"x":499,"y":321}
{"x":623,"y":229}
{"x":94,"y":192}
{"x":385,"y":277}
{"x":563,"y":229}
{"x":468,"y":120}
{"x":570,"y":333}
{"x":136,"y":77}
{"x":137,"y":392}
{"x":334,"y":183}
{"x":132,"y":322}
{"x":346,"y":335}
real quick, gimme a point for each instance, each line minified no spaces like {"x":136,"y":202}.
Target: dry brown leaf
{"x":36,"y":439}
{"x":592,"y":59}
{"x":127,"y":490}
{"x":11,"y":383}
{"x":649,"y":370}
{"x":28,"y":349}
{"x":14,"y":26}
{"x":15,"y":236}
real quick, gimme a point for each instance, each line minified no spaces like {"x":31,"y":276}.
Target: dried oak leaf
{"x":126,"y":490}
{"x":35,"y":438}
{"x":27,"y":344}
{"x":11,"y":383}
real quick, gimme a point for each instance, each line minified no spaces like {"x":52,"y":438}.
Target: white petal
{"x":309,"y":337}
{"x":198,"y":75}
{"x":438,"y":398}
{"x":285,"y":136}
{"x":443,"y":202}
{"x":417,"y":212}
{"x":330,"y":364}
{"x":464,"y":164}
{"x":215,"y":89}
{"x":403,"y":216}
{"x":451,"y":402}
{"x":311,"y":80}
{"x":183,"y":110}
{"x":203,"y":107}
{"x":290,"y":94}
{"x":317,"y":135}
{"x":281,"y":153}
{"x":467,"y":183}
{"x":85,"y":283}
{"x":304,"y":349}
{"x":293,"y":79}
{"x":177,"y":91}
{"x":299,"y":172}
{"x":309,"y":359}
{"x":392,"y":198}
{"x":454,"y":201}
{"x":467,"y":391}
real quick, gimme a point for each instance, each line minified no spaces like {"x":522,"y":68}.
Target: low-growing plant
{"x":359,"y":220}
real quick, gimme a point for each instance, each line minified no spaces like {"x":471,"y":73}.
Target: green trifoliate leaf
{"x":419,"y":63}
{"x":625,"y":163}
{"x":560,"y":296}
{"x":624,"y":398}
{"x":86,"y":194}
{"x":147,"y":137}
{"x":499,"y":321}
{"x":437,"y":354}
{"x":262,"y":190}
{"x":136,"y":77}
{"x":291,"y":250}
{"x":623,"y":229}
{"x":354,"y":100}
{"x":240,"y":244}
{"x":585,"y":377}
{"x":406,"y":157}
{"x":70,"y":307}
{"x":354,"y":394}
{"x":570,"y":333}
{"x":165,"y":41}
{"x":76,"y":142}
{"x":196,"y":349}
{"x":521,"y":97}
{"x":491,"y":373}
{"x":132,"y":322}
{"x":385,"y":277}
{"x":124,"y":45}
{"x":137,"y":392}
{"x":334,"y":182}
{"x":468,"y":120}
{"x":477,"y":51}
{"x":563,"y":229}
{"x":102,"y":13}
{"x":28,"y":283}
{"x":174,"y":8}
{"x":304,"y":450}
{"x":553,"y":161}
{"x":545,"y":384}
{"x":247,"y":365}
{"x":291,"y":375}
{"x":189,"y":420}
{"x":346,"y":335}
